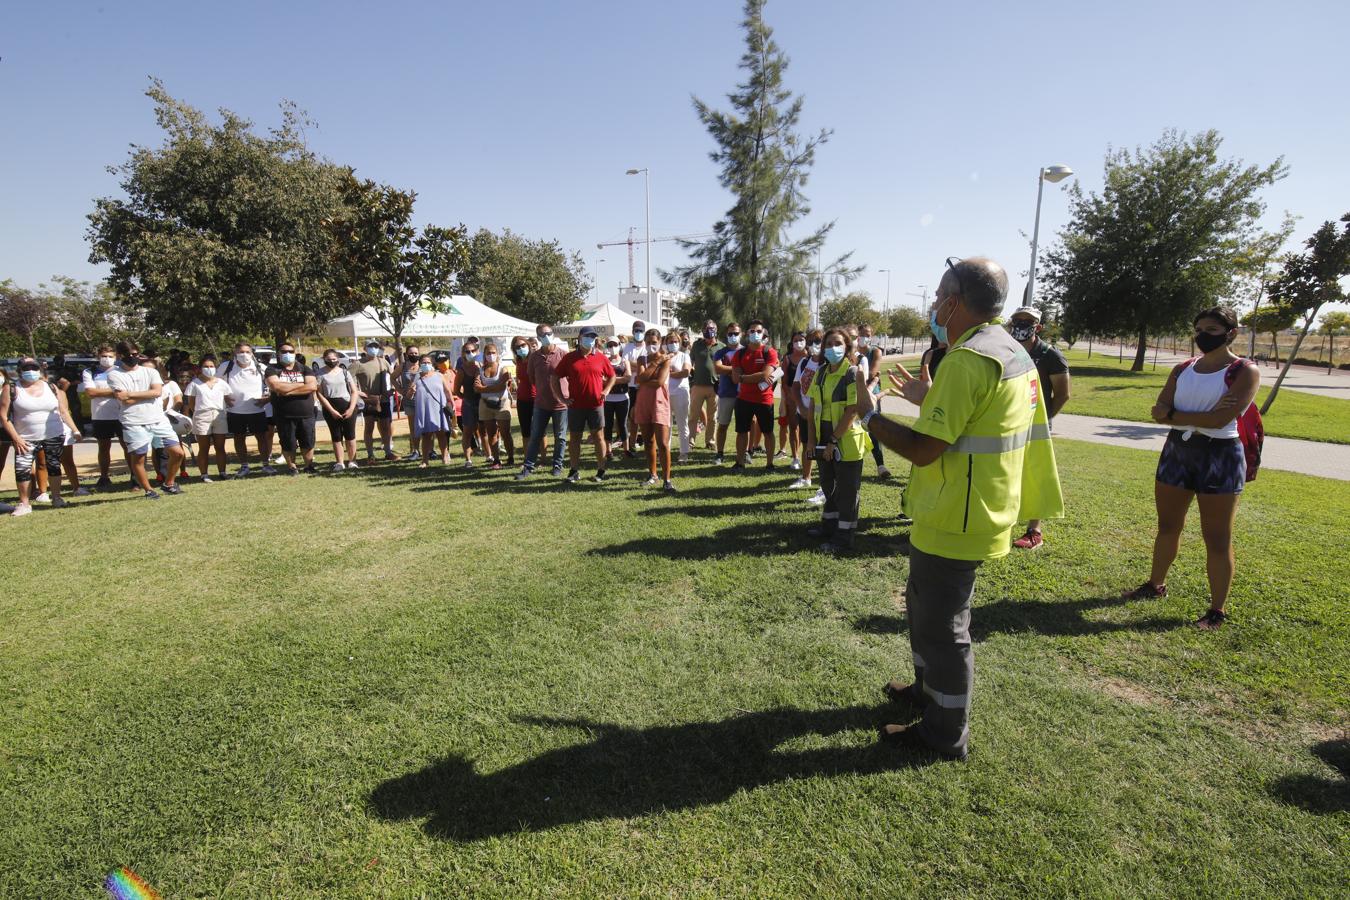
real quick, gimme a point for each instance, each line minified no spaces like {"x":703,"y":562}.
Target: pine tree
{"x":751,"y":267}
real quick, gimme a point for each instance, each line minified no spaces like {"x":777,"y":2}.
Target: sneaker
{"x":600,"y":477}
{"x":907,"y":737}
{"x":631,"y":454}
{"x":310,"y":470}
{"x":770,"y":467}
{"x":818,"y":499}
{"x":277,"y":459}
{"x":243,"y":471}
{"x":468,"y":464}
{"x":1212,"y":620}
{"x":22,"y":509}
{"x":370,"y":456}
{"x":573,"y":476}
{"x":883,"y":472}
{"x":781,"y":454}
{"x":683,"y":459}
{"x":339,"y":467}
{"x":795,"y":465}
{"x":557,"y":471}
{"x":523,"y":474}
{"x":669,"y":487}
{"x":391,"y":456}
{"x":649,"y":481}
{"x":5,"y":509}
{"x":58,"y":502}
{"x":718,"y":460}
{"x":43,"y":497}
{"x":172,"y":489}
{"x":268,"y":470}
{"x":413,"y":456}
{"x":81,"y":491}
{"x":292,"y":471}
{"x":1145,"y":591}
{"x":352,"y":465}
{"x":206,"y":479}
{"x":800,"y":483}
{"x":1032,"y":540}
{"x":738,"y":467}
{"x":151,"y":495}
{"x":103,"y":484}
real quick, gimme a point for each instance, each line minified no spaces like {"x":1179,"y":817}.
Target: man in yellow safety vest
{"x":983,"y":461}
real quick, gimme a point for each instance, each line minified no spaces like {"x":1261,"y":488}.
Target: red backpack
{"x":1251,"y":433}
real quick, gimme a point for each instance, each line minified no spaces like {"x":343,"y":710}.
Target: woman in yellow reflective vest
{"x":841,"y":442}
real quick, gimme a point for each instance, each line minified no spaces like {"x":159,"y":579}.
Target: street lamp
{"x":888,"y":291}
{"x":1054,"y":175}
{"x":647,"y":182}
{"x":598,"y":261}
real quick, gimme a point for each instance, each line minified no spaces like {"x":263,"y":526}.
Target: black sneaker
{"x":292,"y":470}
{"x":573,"y":476}
{"x":523,"y":474}
{"x":103,"y":484}
{"x":1212,"y":620}
{"x":770,"y":467}
{"x":172,"y":489}
{"x":738,"y":467}
{"x":670,"y":488}
{"x":718,"y":461}
{"x":908,"y":737}
{"x":1146,"y":591}
{"x":151,"y":495}
{"x":310,"y":470}
{"x":557,"y":470}
{"x":600,"y":477}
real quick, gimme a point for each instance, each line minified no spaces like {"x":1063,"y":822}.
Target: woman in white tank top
{"x":1203,"y":458}
{"x":35,"y":418}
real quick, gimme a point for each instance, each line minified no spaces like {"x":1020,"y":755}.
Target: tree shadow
{"x":1134,"y":432}
{"x":621,"y":772}
{"x":756,"y":538}
{"x":1047,"y":617}
{"x":1315,"y":793}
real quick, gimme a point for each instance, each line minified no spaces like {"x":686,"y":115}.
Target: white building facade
{"x":655,"y":309}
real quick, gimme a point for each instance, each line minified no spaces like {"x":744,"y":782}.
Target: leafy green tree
{"x":854,"y":308}
{"x":1169,"y":234}
{"x":752,"y":267}
{"x":1257,"y":267}
{"x":1334,"y":324}
{"x":906,"y":323}
{"x":1310,"y":281}
{"x":223,"y":230}
{"x":88,"y":315}
{"x":1270,"y":319}
{"x":385,"y":264}
{"x":532,"y":280}
{"x":695,"y":309}
{"x":25,"y":313}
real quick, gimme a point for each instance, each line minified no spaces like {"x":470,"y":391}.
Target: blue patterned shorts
{"x":1203,"y":464}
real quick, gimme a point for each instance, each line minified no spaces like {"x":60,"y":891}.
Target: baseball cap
{"x":1031,"y":311}
{"x":589,"y":331}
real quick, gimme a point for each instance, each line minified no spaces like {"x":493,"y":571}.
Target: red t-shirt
{"x":524,"y":386}
{"x":586,"y":374}
{"x":750,"y":361}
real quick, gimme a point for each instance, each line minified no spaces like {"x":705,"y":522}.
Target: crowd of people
{"x":981,"y":455}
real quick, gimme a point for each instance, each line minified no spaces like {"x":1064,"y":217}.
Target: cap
{"x":1031,"y":311}
{"x":589,"y":331}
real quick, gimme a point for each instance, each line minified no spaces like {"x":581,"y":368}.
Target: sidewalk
{"x":1307,"y":379}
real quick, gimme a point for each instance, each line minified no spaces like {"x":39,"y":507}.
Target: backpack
{"x":1251,"y":431}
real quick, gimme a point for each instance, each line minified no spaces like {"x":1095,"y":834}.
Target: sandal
{"x":1146,"y":591}
{"x":1212,"y":620}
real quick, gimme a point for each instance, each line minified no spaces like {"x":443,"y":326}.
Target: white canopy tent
{"x":607,"y":319}
{"x":463,"y":317}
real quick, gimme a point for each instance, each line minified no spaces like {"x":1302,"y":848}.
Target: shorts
{"x":342,"y":428}
{"x":209,"y":421}
{"x":385,"y":410}
{"x":141,"y":438}
{"x":584,"y":420}
{"x":240,"y":424}
{"x":107,"y":429}
{"x":51,"y":453}
{"x":747,"y":412}
{"x":726,"y":408}
{"x":488,"y":414}
{"x":295,"y":430}
{"x":468,"y":414}
{"x":1203,"y":464}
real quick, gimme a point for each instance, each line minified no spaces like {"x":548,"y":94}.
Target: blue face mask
{"x":522,"y":352}
{"x":287,"y":358}
{"x":425,"y":368}
{"x":29,"y":376}
{"x":588,"y":342}
{"x":834,"y":354}
{"x":733,"y":339}
{"x":939,"y":331}
{"x":545,"y":340}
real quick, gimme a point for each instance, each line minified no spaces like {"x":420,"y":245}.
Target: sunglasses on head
{"x":951,"y":264}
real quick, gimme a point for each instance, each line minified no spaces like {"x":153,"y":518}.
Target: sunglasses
{"x":951,"y":264}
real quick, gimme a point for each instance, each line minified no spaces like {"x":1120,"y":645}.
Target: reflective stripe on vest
{"x":1004,"y":444}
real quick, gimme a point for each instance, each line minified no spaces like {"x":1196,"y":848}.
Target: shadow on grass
{"x":1134,"y":432}
{"x":1048,"y":617}
{"x":758,"y":538}
{"x":622,"y":772}
{"x":1317,"y":794}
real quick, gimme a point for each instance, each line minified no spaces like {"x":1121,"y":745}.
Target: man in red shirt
{"x":754,"y":370}
{"x":590,"y":377}
{"x":549,"y":404}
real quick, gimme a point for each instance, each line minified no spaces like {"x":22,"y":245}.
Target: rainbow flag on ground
{"x":124,"y":884}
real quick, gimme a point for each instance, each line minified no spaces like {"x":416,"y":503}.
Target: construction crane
{"x":634,"y":241}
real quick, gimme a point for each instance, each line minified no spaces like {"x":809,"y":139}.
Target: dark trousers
{"x":616,"y":415}
{"x":937,"y":602}
{"x":840,"y":481}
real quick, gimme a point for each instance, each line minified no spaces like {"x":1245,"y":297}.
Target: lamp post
{"x":647,"y":183}
{"x":888,"y":291}
{"x":923,"y":298}
{"x":598,"y":261}
{"x":1054,"y":175}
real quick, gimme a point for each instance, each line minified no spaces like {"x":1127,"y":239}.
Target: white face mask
{"x":652,"y":348}
{"x":208,"y":371}
{"x":799,"y":345}
{"x":244,"y":359}
{"x":107,"y":362}
{"x":672,"y":348}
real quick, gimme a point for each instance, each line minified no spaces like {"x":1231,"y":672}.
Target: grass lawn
{"x":1103,"y":386}
{"x":402,"y":683}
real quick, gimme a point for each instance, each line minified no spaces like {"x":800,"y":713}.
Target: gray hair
{"x":982,"y":283}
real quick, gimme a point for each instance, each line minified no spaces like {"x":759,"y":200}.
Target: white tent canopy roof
{"x":606,"y":318}
{"x":465,"y":316}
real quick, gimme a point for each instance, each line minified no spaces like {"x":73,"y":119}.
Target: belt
{"x":1192,"y":436}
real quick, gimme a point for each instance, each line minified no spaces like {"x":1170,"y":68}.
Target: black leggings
{"x":616,"y":414}
{"x":525,"y":410}
{"x":341,"y":428}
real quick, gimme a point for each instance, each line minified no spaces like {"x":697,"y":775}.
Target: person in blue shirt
{"x":726,"y":388}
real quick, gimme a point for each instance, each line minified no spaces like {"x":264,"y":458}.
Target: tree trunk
{"x":1275,"y":346}
{"x":1089,"y":346}
{"x":1140,"y":352}
{"x":1298,"y":342}
{"x":32,"y":349}
{"x":1331,"y":353}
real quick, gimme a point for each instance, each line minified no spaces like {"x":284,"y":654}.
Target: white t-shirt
{"x":101,"y":409}
{"x":245,"y":386}
{"x":209,"y":397}
{"x":171,"y":396}
{"x":141,"y":378}
{"x":679,"y":385}
{"x":632,"y":351}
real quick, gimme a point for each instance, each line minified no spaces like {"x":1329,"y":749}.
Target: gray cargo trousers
{"x":937,"y":600}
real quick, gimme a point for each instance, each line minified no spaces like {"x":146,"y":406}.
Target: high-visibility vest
{"x":1000,"y":471}
{"x":854,"y":444}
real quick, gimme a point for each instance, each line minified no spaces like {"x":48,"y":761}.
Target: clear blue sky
{"x":525,"y":115}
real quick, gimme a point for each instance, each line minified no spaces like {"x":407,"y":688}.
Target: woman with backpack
{"x":1205,"y":457}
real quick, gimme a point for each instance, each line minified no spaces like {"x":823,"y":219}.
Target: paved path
{"x":1307,"y":379}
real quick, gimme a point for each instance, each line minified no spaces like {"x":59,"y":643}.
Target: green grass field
{"x":1104,"y":386}
{"x":397,"y":683}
